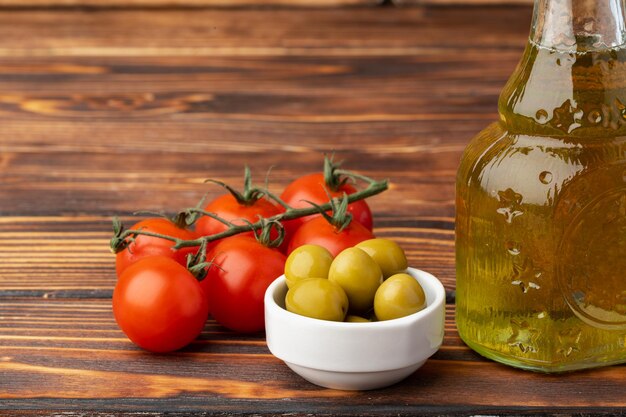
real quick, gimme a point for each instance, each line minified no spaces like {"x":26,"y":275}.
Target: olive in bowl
{"x":355,"y":356}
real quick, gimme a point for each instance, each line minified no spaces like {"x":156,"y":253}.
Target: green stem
{"x":352,"y":175}
{"x":248,"y":196}
{"x":374,"y":187}
{"x":276,"y":198}
{"x":211,"y":215}
{"x":331,"y":178}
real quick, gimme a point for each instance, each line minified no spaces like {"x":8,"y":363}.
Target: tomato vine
{"x":123,"y":237}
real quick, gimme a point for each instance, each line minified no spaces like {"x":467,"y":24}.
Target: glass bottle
{"x":541,"y":200}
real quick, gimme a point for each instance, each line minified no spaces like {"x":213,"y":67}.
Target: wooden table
{"x":109,"y":111}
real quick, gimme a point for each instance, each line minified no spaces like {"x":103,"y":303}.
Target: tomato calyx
{"x":249,"y":195}
{"x":333,"y":177}
{"x":118,"y":242}
{"x":197,"y":262}
{"x":123,"y":238}
{"x":340,"y":217}
{"x":189,"y":216}
{"x":263,"y":235}
{"x":336,"y":178}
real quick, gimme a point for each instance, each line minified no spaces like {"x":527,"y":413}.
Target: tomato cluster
{"x":162,"y":306}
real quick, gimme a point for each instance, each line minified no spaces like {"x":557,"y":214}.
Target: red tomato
{"x":228,"y":208}
{"x":313,"y":188}
{"x":145,"y":246}
{"x":320,"y":232}
{"x":159,"y":304}
{"x":204,"y":285}
{"x":236,"y":288}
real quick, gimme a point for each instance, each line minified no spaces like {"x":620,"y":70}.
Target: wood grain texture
{"x":107,"y":111}
{"x":247,"y":33}
{"x":186,"y":3}
{"x":49,"y":346}
{"x":462,"y":2}
{"x":240,"y":3}
{"x":78,"y":126}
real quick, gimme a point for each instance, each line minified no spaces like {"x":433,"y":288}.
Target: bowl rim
{"x":433,"y":282}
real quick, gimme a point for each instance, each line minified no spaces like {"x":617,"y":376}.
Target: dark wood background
{"x":105,"y":111}
{"x":246,"y":3}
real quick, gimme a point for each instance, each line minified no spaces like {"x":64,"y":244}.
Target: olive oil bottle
{"x":541,"y":200}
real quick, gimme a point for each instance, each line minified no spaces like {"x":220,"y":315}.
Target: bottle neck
{"x":571,"y":80}
{"x":579,"y":25}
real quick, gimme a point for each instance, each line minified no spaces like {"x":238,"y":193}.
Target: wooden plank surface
{"x":105,"y":112}
{"x":208,"y":374}
{"x":241,"y":3}
{"x":185,"y":3}
{"x":418,"y":33}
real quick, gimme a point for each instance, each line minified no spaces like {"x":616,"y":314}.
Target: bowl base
{"x":353,"y":381}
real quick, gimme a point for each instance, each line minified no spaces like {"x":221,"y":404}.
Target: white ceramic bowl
{"x":355,"y":356}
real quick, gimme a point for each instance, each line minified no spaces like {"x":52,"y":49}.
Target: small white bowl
{"x":355,"y":356}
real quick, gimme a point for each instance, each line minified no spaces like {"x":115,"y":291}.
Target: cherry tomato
{"x":159,"y":304}
{"x":144,"y":246}
{"x":313,"y":188}
{"x":320,"y":232}
{"x":237,"y":283}
{"x":227,"y":207}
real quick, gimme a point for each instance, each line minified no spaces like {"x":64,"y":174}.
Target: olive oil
{"x":541,"y":203}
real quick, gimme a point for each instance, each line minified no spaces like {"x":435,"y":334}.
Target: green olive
{"x":399,"y":296}
{"x":318,"y":298}
{"x":359,"y":276}
{"x":356,"y":319}
{"x":387,"y":254}
{"x":307,"y":261}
